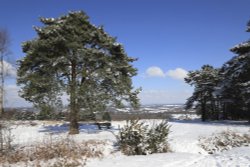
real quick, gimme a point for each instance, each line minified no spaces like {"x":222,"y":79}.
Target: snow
{"x":116,"y":44}
{"x":183,"y":140}
{"x":243,"y":44}
{"x":26,"y":134}
{"x":235,"y":157}
{"x":184,"y":116}
{"x":122,"y":110}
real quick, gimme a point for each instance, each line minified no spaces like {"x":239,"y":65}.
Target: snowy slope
{"x":183,"y":140}
{"x":186,"y":151}
{"x":236,"y":157}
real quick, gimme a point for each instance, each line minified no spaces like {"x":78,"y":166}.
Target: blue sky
{"x":169,"y":37}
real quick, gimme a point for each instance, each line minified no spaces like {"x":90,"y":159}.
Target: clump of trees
{"x":223,"y":93}
{"x":204,"y":82}
{"x":70,"y":55}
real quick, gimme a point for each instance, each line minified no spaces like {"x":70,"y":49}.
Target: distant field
{"x":164,"y":111}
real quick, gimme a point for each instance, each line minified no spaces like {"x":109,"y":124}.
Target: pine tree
{"x":71,"y":55}
{"x":204,"y":82}
{"x":236,"y":84}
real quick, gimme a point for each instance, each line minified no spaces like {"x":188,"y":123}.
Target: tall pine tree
{"x":236,"y":84}
{"x":71,"y":55}
{"x":204,"y":82}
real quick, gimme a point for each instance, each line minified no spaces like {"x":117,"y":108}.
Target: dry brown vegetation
{"x":58,"y":152}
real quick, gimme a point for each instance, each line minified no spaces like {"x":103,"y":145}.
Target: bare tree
{"x":4,"y":44}
{"x":5,"y":129}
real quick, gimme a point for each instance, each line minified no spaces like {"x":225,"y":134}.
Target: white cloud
{"x":178,"y":73}
{"x":155,"y":72}
{"x":9,"y":70}
{"x":12,"y":99}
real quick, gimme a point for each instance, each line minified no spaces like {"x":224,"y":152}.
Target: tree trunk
{"x":74,"y":127}
{"x":203,"y":112}
{"x":248,"y":112}
{"x":216,"y":109}
{"x":225,"y":111}
{"x":1,"y":86}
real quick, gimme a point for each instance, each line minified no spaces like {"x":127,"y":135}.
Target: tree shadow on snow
{"x":89,"y":128}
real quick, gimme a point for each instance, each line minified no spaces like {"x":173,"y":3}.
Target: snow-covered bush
{"x":25,"y":115}
{"x":131,"y":138}
{"x":157,"y":137}
{"x":136,"y":138}
{"x":224,"y":141}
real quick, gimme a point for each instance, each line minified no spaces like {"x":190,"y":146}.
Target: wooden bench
{"x":101,"y":125}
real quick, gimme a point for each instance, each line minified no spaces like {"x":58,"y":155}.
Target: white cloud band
{"x":178,"y":73}
{"x":8,"y":69}
{"x":155,"y":72}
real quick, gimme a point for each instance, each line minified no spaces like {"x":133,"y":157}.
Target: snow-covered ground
{"x":183,"y":139}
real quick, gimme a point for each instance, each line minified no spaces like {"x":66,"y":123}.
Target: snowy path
{"x":184,"y":135}
{"x":155,"y":160}
{"x":237,"y":157}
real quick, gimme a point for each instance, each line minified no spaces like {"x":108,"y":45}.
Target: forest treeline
{"x":223,"y":93}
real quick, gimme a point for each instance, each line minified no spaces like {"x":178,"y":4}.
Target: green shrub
{"x":25,"y":115}
{"x":106,"y":116}
{"x":157,"y":138}
{"x":136,"y":138}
